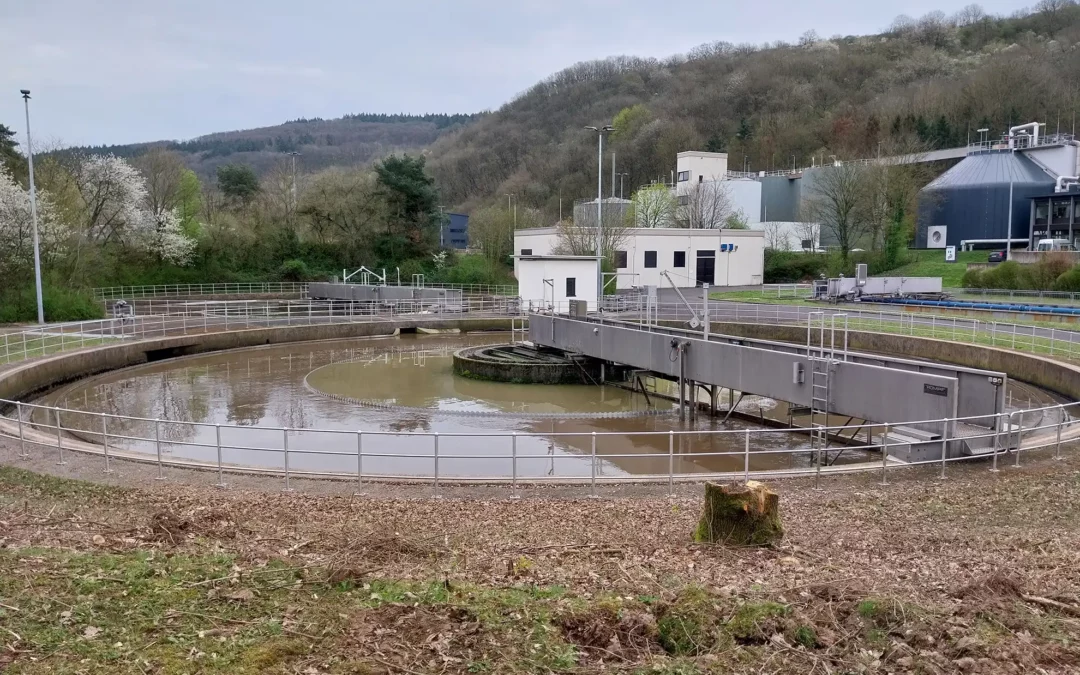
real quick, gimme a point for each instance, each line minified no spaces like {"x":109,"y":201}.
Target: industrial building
{"x":690,"y":257}
{"x":992,"y":196}
{"x":454,"y":232}
{"x":1053,"y":216}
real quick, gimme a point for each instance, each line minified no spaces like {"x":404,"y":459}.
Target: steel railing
{"x":261,"y":288}
{"x":173,"y":317}
{"x":510,"y":458}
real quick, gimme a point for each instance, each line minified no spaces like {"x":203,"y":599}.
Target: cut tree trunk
{"x":740,"y":514}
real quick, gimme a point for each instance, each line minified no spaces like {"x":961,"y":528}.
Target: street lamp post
{"x":33,"y":210}
{"x":621,"y":176}
{"x":600,"y":204}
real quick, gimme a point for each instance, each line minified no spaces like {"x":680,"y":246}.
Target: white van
{"x":1054,"y":245}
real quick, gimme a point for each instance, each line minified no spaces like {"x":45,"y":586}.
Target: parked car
{"x":996,"y":256}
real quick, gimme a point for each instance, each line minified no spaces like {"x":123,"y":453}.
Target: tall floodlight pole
{"x":33,"y":210}
{"x":600,"y":205}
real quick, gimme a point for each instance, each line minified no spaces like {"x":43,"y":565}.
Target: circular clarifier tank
{"x":380,"y":402}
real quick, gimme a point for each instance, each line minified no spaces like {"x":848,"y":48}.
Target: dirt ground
{"x":975,"y":573}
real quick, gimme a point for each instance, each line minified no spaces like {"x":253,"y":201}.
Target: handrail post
{"x":944,"y":447}
{"x":513,"y":467}
{"x":1019,"y":441}
{"x":157,"y":448}
{"x":359,"y":463}
{"x":105,"y":442}
{"x":1057,"y":443}
{"x":220,"y":470}
{"x":997,"y":440}
{"x":671,"y":463}
{"x":592,"y":468}
{"x":746,"y":458}
{"x":885,"y":455}
{"x":285,"y":446}
{"x":59,"y":439}
{"x":437,"y":495}
{"x":22,"y":439}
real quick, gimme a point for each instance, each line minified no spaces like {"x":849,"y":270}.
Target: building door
{"x":706,"y":268}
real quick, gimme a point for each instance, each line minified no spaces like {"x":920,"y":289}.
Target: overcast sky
{"x":120,"y":71}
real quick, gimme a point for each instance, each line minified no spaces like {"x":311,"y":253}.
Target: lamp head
{"x":25,"y":93}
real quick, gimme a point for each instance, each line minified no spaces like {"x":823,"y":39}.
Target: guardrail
{"x":509,"y":458}
{"x":265,"y":287}
{"x":185,"y":290}
{"x":184,"y":318}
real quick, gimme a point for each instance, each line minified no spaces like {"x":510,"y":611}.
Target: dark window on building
{"x":684,"y":200}
{"x":706,"y":254}
{"x":701,"y":179}
{"x":571,"y":287}
{"x":684,"y":176}
{"x":650,"y":258}
{"x":1042,"y":208}
{"x":1060,"y":212}
{"x":620,"y":260}
{"x":680,"y":259}
{"x":526,"y":251}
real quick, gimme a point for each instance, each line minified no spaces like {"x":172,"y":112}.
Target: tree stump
{"x":740,"y":514}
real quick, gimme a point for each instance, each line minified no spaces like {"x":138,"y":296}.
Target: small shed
{"x":546,"y":281}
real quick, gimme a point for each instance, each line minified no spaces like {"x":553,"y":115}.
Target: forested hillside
{"x":931,"y":82}
{"x":349,"y":141}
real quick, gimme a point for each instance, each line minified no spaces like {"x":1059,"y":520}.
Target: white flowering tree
{"x":16,"y":228}
{"x":116,"y":208}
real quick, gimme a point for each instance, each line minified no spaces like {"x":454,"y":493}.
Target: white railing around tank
{"x":173,"y":317}
{"x":262,"y":288}
{"x":507,"y":457}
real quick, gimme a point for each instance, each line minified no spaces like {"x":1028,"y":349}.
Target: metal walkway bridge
{"x":822,"y":376}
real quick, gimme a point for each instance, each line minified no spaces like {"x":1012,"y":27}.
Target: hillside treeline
{"x":931,"y":81}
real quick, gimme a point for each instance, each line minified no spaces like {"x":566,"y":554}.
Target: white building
{"x":690,"y":257}
{"x":698,"y":167}
{"x":546,"y":280}
{"x":705,"y":195}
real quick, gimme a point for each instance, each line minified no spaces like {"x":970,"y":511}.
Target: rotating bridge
{"x":920,"y":400}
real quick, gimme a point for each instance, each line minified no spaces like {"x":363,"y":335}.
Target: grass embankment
{"x":107,"y":580}
{"x":931,"y":263}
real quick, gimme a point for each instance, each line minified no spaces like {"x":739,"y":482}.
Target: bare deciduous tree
{"x":775,"y":238}
{"x":705,"y":205}
{"x":574,"y":239}
{"x":837,"y":200}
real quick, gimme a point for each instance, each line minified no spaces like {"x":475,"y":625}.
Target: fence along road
{"x":587,"y":458}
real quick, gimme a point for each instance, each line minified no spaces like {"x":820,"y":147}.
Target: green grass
{"x":931,"y":263}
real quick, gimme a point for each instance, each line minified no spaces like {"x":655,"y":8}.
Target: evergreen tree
{"x":238,"y":181}
{"x":745,"y":131}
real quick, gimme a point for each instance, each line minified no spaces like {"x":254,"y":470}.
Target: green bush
{"x":1005,"y":275}
{"x":972,"y":278}
{"x":60,"y":304}
{"x":1069,"y":281}
{"x":785,"y":267}
{"x":294,"y":270}
{"x":1044,"y":274}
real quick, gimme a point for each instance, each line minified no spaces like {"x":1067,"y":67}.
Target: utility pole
{"x":613,"y":175}
{"x":33,"y":210}
{"x":294,"y":154}
{"x":621,"y":176}
{"x":513,"y":226}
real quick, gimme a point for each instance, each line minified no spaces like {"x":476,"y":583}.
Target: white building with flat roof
{"x":689,"y":256}
{"x":549,"y":280}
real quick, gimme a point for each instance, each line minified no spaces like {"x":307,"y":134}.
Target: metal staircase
{"x":823,"y":357}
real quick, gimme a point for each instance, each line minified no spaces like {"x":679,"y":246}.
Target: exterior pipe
{"x":1034,"y":126}
{"x":1062,"y":181}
